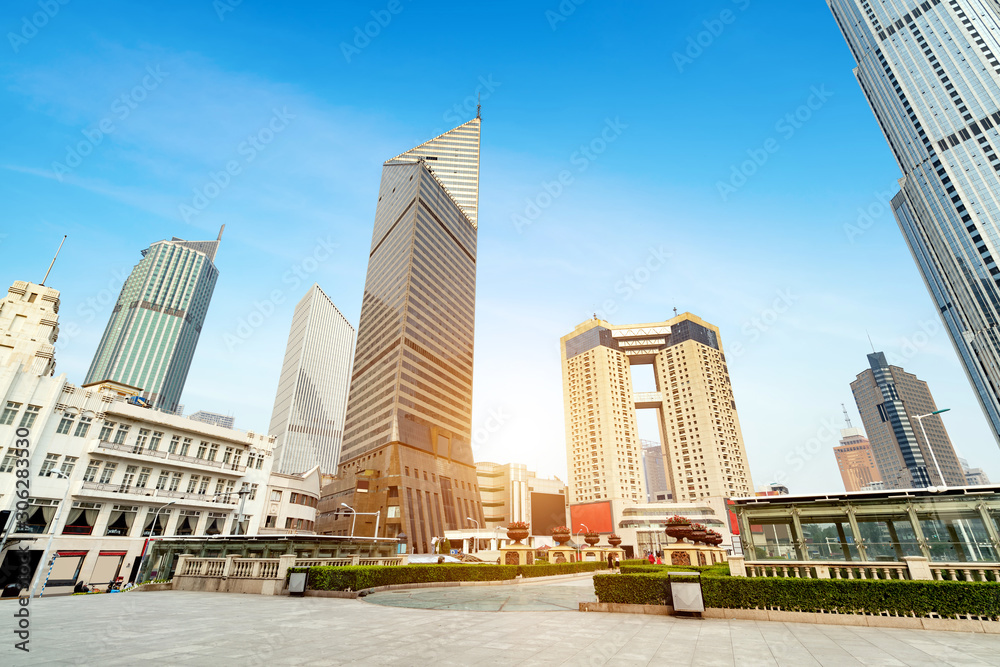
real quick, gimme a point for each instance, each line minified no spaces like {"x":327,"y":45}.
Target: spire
{"x":53,"y":260}
{"x":454,"y":158}
{"x":847,"y":417}
{"x":479,"y":105}
{"x":221,"y":229}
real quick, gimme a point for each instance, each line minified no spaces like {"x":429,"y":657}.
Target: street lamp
{"x":354,"y":517}
{"x":152,"y":530}
{"x":584,"y":526}
{"x":52,"y":534}
{"x":469,"y":518}
{"x":920,"y":420}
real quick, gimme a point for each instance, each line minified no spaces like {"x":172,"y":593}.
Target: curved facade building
{"x":931,"y":73}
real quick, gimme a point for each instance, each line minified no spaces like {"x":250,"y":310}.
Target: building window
{"x":8,"y":462}
{"x":294,"y":499}
{"x":9,"y":413}
{"x":121,"y":434}
{"x":275,"y":496}
{"x":30,"y":415}
{"x":66,"y":423}
{"x":203,"y":487}
{"x":260,"y":462}
{"x":186,"y":447}
{"x":213,"y":449}
{"x":140,"y":440}
{"x":129,"y":477}
{"x":253,"y":492}
{"x":108,"y":472}
{"x":271,"y":522}
{"x":193,"y":483}
{"x":174,"y":442}
{"x":48,"y":465}
{"x":83,"y":428}
{"x":143,"y":478}
{"x":161,"y":482}
{"x":106,"y":431}
{"x":91,"y":471}
{"x":393,"y":512}
{"x":236,"y":458}
{"x":219,"y":486}
{"x":68,"y":464}
{"x":228,"y":456}
{"x":288,"y":523}
{"x":154,"y":442}
{"x":175,"y":481}
{"x":202,"y":448}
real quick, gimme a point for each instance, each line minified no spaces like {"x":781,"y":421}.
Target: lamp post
{"x":52,"y":534}
{"x":584,"y":526}
{"x":469,"y":518}
{"x":920,"y":420}
{"x":152,"y":530}
{"x":354,"y":517}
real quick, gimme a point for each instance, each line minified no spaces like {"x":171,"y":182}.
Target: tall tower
{"x":856,"y":460}
{"x":154,"y":328}
{"x":407,"y":438}
{"x":889,"y":400}
{"x":703,"y":449}
{"x":29,"y":327}
{"x":931,"y":73}
{"x":308,"y":416}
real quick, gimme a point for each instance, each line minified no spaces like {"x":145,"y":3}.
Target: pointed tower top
{"x":453,"y":157}
{"x":847,"y":417}
{"x":221,"y":229}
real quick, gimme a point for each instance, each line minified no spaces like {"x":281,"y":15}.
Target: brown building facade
{"x":856,"y":461}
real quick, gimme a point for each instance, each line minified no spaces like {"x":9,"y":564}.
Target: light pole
{"x":469,"y":518}
{"x":584,"y":526}
{"x":152,"y":530}
{"x":354,"y":517}
{"x":920,"y":420}
{"x":52,"y":534}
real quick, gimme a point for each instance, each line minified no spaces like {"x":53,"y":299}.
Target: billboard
{"x":596,"y":516}
{"x":548,"y":510}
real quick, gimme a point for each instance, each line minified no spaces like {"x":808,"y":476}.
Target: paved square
{"x":181,"y":628}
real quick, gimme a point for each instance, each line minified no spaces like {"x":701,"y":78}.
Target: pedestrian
{"x":618,"y":565}
{"x":611,"y":561}
{"x":659,"y":561}
{"x":651,"y":559}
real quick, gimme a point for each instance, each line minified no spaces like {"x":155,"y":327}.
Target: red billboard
{"x":595,"y":516}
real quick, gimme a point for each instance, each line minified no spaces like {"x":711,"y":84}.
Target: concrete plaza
{"x":185,"y":628}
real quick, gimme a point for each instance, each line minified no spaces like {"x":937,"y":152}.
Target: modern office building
{"x":309,"y":406}
{"x":931,"y":74}
{"x":406,"y":451}
{"x":703,"y":449}
{"x":511,"y":492}
{"x":973,"y":476}
{"x":225,"y":421}
{"x":856,"y":460}
{"x":29,"y":327}
{"x":890,"y":400}
{"x":154,"y":328}
{"x":654,"y":473}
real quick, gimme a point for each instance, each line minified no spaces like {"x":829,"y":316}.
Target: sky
{"x":715,"y":157}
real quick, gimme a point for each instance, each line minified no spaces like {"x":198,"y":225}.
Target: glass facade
{"x":930,"y":71}
{"x":309,"y":407}
{"x":155,"y":325}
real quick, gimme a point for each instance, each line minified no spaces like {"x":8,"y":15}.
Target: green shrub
{"x":856,"y":596}
{"x":358,"y":577}
{"x":551,"y":569}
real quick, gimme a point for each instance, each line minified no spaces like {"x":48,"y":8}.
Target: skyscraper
{"x":654,"y":472}
{"x":889,"y":400}
{"x":29,"y":322}
{"x":856,"y":460}
{"x":406,"y":450}
{"x":931,"y":73}
{"x":703,"y":446}
{"x":154,"y":328}
{"x":308,"y":415}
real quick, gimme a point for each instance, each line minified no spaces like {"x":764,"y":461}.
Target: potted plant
{"x":591,"y":537}
{"x":678,"y":527}
{"x":561,"y":534}
{"x":614,"y":540}
{"x":517,"y":531}
{"x":698,"y":532}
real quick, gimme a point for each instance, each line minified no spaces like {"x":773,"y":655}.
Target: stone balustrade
{"x":912,"y":567}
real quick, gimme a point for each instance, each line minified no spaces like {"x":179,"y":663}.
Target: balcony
{"x":122,"y":493}
{"x":133,"y":451}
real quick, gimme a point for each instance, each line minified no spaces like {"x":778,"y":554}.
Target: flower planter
{"x":592,"y":538}
{"x":561,"y":538}
{"x":614,"y":540}
{"x":679,"y":531}
{"x":517,"y":534}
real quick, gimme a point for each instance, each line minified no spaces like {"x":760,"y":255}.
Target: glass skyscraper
{"x":406,"y":449}
{"x":154,"y":328}
{"x":931,"y":73}
{"x":308,"y":416}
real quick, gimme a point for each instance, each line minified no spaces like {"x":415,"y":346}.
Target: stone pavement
{"x":560,"y":595}
{"x":186,"y":628}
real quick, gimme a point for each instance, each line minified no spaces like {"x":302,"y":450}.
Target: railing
{"x":156,"y":453}
{"x":162,"y":493}
{"x":912,"y":568}
{"x":966,"y":572}
{"x":268,"y":568}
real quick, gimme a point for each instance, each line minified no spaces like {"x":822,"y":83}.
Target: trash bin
{"x":685,"y":589}
{"x":297,"y":583}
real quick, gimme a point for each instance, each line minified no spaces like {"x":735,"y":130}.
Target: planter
{"x":561,"y":538}
{"x":614,"y":540}
{"x":517,"y":534}
{"x":679,"y":531}
{"x":592,"y":538}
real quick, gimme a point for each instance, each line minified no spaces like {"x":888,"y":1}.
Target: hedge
{"x":358,"y":577}
{"x":858,"y":596}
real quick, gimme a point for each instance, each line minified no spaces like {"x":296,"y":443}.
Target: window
{"x":91,"y":472}
{"x":203,"y":487}
{"x":219,"y":486}
{"x":272,"y":520}
{"x":193,"y":483}
{"x":260,"y":461}
{"x":213,"y":449}
{"x":186,"y":447}
{"x":106,"y":431}
{"x":154,"y":442}
{"x":143,"y":478}
{"x":294,"y":499}
{"x":108,"y":472}
{"x":161,"y":483}
{"x":236,"y":458}
{"x":48,"y":465}
{"x":121,"y":434}
{"x":68,"y":464}
{"x":202,"y":448}
{"x":129,"y":476}
{"x":275,"y":496}
{"x":9,"y":413}
{"x":228,"y":455}
{"x":30,"y":415}
{"x":83,"y":427}
{"x":288,"y":522}
{"x":174,"y":441}
{"x":393,"y":512}
{"x":253,"y":492}
{"x":140,"y":440}
{"x":175,"y":481}
{"x":8,"y":462}
{"x":66,"y":423}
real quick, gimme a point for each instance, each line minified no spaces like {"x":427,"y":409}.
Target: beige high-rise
{"x":703,"y":449}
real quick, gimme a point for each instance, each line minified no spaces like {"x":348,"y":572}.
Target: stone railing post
{"x":737,"y":566}
{"x":919,"y":567}
{"x":822,"y":571}
{"x":182,"y":563}
{"x":355,"y":559}
{"x":285,"y":561}
{"x":227,"y":571}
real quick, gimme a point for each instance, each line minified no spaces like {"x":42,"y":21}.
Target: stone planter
{"x":517,"y":534}
{"x":679,"y":531}
{"x":614,"y":540}
{"x":561,"y":538}
{"x":592,"y":538}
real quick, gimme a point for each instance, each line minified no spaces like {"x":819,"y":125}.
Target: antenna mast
{"x":847,"y":417}
{"x":479,"y":106}
{"x":53,"y":260}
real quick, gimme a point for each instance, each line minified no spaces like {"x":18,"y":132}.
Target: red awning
{"x":113,"y":553}
{"x":71,"y":553}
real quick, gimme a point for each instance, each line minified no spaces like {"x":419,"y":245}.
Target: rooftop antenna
{"x":870,"y":341}
{"x":675,"y":311}
{"x":53,"y":260}
{"x":479,"y":106}
{"x":847,"y":417}
{"x":221,"y":229}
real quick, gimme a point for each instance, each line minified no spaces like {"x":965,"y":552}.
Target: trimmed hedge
{"x":359,"y":577}
{"x":858,"y":596}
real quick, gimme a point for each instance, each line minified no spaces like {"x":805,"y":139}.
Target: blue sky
{"x":718,"y":156}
